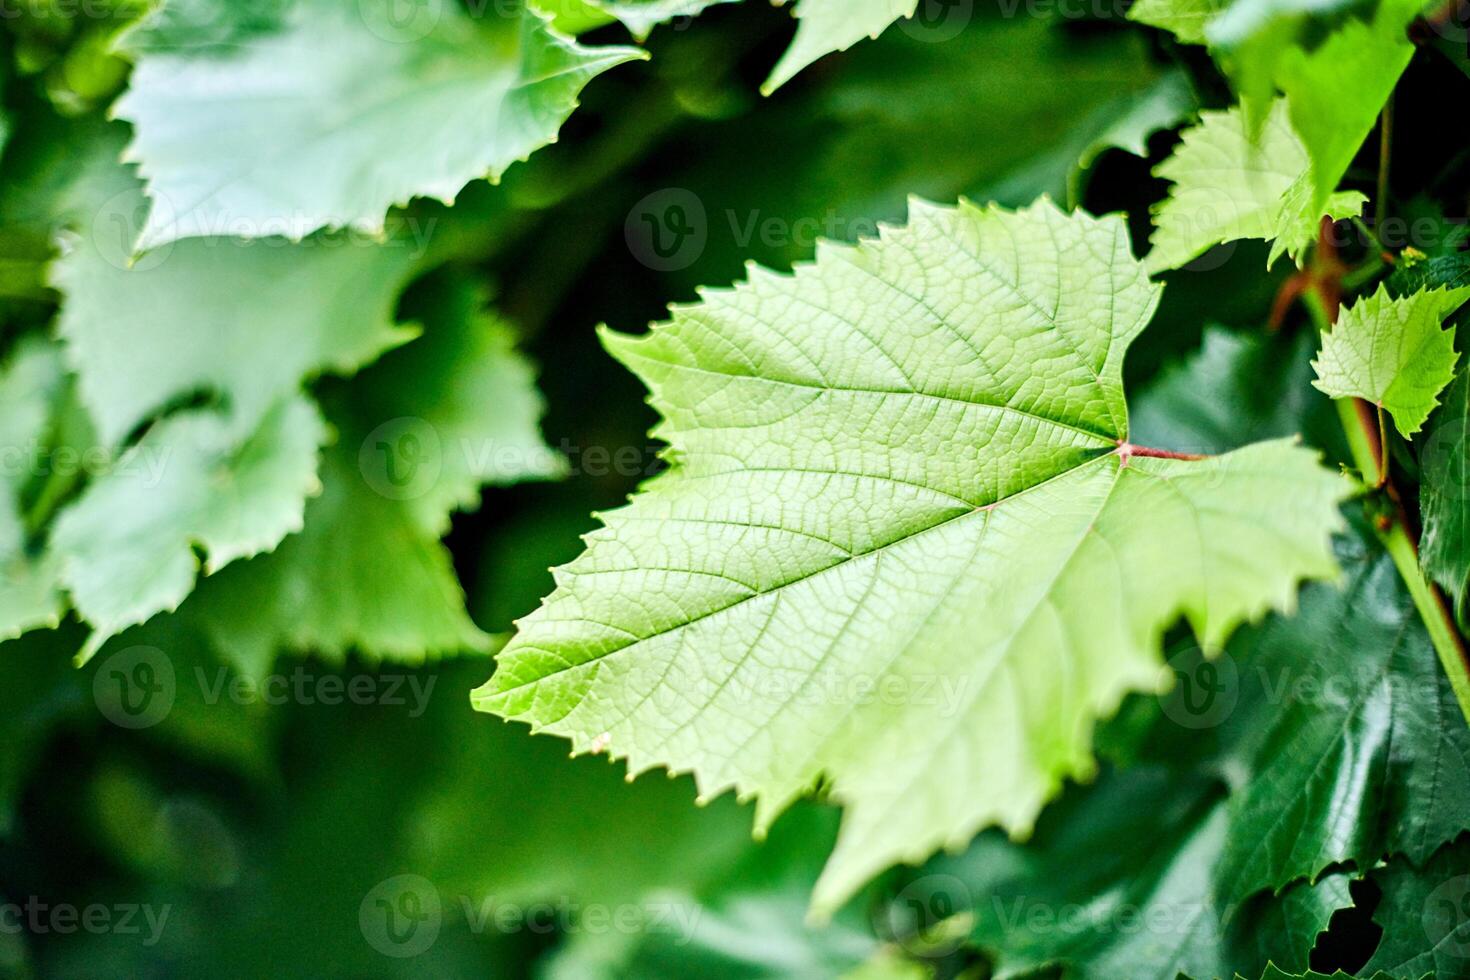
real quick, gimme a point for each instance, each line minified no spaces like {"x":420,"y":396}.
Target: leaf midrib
{"x":488,"y":697}
{"x":1105,"y":441}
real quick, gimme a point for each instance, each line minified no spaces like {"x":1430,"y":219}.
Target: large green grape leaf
{"x":31,"y":381}
{"x":1425,"y":917}
{"x":417,"y":436}
{"x":1084,"y":894}
{"x":1444,"y":494}
{"x":1227,"y":187}
{"x":1393,"y":353}
{"x":344,"y":112}
{"x":905,"y":466}
{"x":825,"y":26}
{"x":127,"y":547}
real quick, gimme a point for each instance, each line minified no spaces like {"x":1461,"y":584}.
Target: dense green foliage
{"x":1070,"y":583}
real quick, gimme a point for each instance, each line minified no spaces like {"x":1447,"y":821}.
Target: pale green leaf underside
{"x":239,"y":143}
{"x":360,"y":577}
{"x":1393,"y":353}
{"x":825,"y":26}
{"x":243,"y":321}
{"x":29,"y":383}
{"x":418,"y":435}
{"x":905,"y":469}
{"x":127,"y":546}
{"x":1228,"y":188}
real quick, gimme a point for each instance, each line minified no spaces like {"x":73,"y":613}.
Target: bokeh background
{"x":411,"y":835}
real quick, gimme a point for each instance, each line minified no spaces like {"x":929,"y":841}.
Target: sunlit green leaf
{"x":846,"y":504}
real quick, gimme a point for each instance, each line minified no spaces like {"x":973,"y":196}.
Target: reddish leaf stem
{"x":1127,"y":449}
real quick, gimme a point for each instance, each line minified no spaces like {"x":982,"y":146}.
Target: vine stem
{"x":1383,"y":451}
{"x":1366,"y":442}
{"x":1385,"y":157}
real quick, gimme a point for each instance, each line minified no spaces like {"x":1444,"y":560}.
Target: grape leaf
{"x":239,"y":142}
{"x":1444,"y":495}
{"x":640,"y":17}
{"x":1334,"y":88}
{"x":842,"y":505}
{"x":127,"y":547}
{"x":1423,"y":913}
{"x":1227,"y":188}
{"x":825,"y":26}
{"x":1414,"y":273}
{"x":31,"y":380}
{"x":244,"y":321}
{"x":1084,"y":894}
{"x":1348,"y":745}
{"x":241,"y":323}
{"x":1392,"y":353}
{"x":418,"y":435}
{"x":1335,"y":92}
